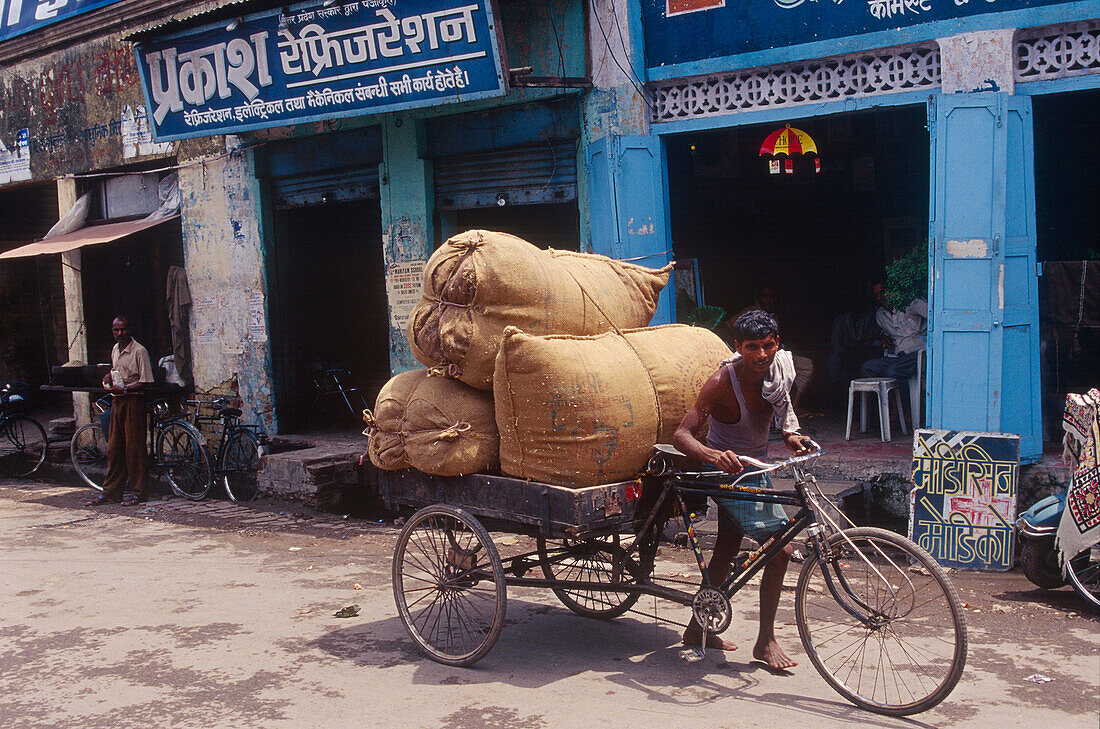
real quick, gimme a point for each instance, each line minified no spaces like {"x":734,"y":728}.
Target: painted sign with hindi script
{"x":683,"y":31}
{"x":354,"y":58}
{"x":963,"y":504}
{"x":23,"y":16}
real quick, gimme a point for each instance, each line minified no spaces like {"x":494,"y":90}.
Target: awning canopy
{"x":85,"y":237}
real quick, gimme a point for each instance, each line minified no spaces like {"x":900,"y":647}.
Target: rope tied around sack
{"x":449,"y":370}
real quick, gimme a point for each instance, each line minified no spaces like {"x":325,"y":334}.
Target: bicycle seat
{"x":229,"y":413}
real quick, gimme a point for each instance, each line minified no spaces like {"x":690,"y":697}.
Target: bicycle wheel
{"x":88,"y":450}
{"x":906,"y":651}
{"x":180,"y":451}
{"x":22,"y":446}
{"x":240,"y":466}
{"x":448,"y":584}
{"x":589,"y":560}
{"x":1083,"y":572}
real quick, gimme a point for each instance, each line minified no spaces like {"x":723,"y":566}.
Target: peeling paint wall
{"x":223,"y":254}
{"x":971,"y":61}
{"x":81,"y":108}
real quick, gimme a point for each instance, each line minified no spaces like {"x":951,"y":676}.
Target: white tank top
{"x":749,"y":435}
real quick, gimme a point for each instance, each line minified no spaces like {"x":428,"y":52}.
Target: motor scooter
{"x":1035,"y":528}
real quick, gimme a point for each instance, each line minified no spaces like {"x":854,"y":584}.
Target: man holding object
{"x":739,"y":403}
{"x":131,"y":372}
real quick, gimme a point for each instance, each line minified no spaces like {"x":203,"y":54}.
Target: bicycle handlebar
{"x":762,"y":467}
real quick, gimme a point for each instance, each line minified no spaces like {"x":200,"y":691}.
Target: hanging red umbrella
{"x":788,"y":141}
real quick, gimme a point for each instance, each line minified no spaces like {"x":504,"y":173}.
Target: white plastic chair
{"x":882,"y":387}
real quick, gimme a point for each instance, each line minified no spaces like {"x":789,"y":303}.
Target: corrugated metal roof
{"x":191,"y":18}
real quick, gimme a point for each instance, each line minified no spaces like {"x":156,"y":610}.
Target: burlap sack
{"x":434,"y":424}
{"x":580,"y":411}
{"x":479,"y":282}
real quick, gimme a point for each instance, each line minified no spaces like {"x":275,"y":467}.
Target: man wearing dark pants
{"x":131,"y":372}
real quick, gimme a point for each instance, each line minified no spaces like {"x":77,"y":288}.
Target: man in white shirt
{"x":905,"y":331}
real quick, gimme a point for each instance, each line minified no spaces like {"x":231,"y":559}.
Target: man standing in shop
{"x":131,"y":373}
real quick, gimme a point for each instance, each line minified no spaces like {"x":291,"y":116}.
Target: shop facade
{"x":346,"y":142}
{"x":73,"y":128}
{"x":924,"y":126}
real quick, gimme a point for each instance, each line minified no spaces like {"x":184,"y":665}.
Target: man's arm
{"x":685,"y":439}
{"x":145,"y":373}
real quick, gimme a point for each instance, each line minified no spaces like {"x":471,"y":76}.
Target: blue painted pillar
{"x":405,"y":183}
{"x":623,"y":186}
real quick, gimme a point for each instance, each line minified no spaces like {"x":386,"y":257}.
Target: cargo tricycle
{"x":879,"y":619}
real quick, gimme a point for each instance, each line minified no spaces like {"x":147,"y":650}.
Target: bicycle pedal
{"x":692,"y":655}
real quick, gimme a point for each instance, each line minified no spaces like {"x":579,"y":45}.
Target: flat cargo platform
{"x":546,"y":509}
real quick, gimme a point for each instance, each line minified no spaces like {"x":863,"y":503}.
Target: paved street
{"x":215,"y":615}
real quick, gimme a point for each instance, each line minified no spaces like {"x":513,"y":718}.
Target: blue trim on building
{"x":1031,"y":17}
{"x":1058,"y":85}
{"x":785,"y":113}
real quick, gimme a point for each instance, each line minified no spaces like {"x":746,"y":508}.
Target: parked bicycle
{"x":22,"y":438}
{"x":240,"y":448}
{"x":175,"y":447}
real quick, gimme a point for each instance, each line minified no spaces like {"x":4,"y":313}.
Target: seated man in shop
{"x":903,"y":336}
{"x":855,"y":335}
{"x":131,"y":373}
{"x":738,"y":405}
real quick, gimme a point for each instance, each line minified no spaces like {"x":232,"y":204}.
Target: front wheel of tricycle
{"x":449,"y":585}
{"x":881,"y":622}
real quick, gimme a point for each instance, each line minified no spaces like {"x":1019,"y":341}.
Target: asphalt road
{"x":215,"y":615}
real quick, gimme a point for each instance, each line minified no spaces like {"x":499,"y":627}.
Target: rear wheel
{"x":240,"y":466}
{"x":181,"y":452}
{"x":1083,"y":572}
{"x":904,"y":648}
{"x":595,"y":561}
{"x":88,"y":450}
{"x":22,"y":446}
{"x":448,"y":584}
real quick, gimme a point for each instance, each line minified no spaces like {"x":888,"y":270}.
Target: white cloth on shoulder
{"x":777,"y":389}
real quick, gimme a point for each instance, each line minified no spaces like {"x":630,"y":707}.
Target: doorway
{"x":821,"y":239}
{"x":329,"y":312}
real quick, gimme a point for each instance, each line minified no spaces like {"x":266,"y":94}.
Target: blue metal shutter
{"x":983,"y":330}
{"x":629,"y":206}
{"x":316,"y":189}
{"x":335,"y":167}
{"x":545,"y":172}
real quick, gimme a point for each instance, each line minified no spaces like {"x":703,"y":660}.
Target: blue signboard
{"x":23,"y":16}
{"x":963,"y":504}
{"x":682,"y":31}
{"x":274,"y":69}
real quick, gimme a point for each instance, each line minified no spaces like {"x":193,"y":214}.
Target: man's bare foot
{"x":694,"y":635}
{"x":773,"y":655}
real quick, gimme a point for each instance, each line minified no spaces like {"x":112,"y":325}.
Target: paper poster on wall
{"x":137,"y":139}
{"x":15,"y":164}
{"x":257,"y":321}
{"x":963,"y":504}
{"x":403,"y":287}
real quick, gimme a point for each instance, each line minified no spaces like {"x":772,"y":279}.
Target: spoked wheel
{"x":590,"y":560}
{"x":88,"y":449}
{"x":448,"y":584}
{"x":1083,"y":572}
{"x":240,"y":466}
{"x":22,"y":446}
{"x":182,"y":454}
{"x":907,"y":648}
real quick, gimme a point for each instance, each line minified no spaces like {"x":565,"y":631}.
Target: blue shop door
{"x":629,"y":206}
{"x":984,"y":324}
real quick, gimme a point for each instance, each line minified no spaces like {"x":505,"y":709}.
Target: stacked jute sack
{"x":580,"y":389}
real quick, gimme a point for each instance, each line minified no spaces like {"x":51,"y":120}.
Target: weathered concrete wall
{"x":973,"y":61}
{"x":81,"y":108}
{"x":223,"y":254}
{"x":408,"y":203}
